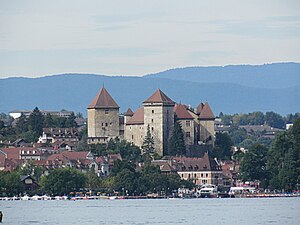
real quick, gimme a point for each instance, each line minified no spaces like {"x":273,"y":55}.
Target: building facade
{"x":103,"y":118}
{"x":158,"y":113}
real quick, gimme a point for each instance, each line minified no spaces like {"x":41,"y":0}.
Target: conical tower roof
{"x":159,"y":97}
{"x":129,"y":112}
{"x":103,"y":100}
{"x":206,"y":113}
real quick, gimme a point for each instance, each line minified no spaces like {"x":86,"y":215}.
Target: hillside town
{"x":169,"y":148}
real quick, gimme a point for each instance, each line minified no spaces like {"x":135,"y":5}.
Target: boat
{"x":25,"y":198}
{"x":36,"y":197}
{"x":208,"y":191}
{"x":45,"y":197}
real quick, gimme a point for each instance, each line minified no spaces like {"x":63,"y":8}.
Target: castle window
{"x":132,"y":137}
{"x":188,"y":134}
{"x":152,"y":128}
{"x":152,"y":111}
{"x":106,"y":111}
{"x":110,"y":123}
{"x":188,"y":123}
{"x":152,"y":120}
{"x":106,"y":124}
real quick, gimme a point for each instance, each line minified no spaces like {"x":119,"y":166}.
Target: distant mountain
{"x":76,"y":91}
{"x":275,"y":75}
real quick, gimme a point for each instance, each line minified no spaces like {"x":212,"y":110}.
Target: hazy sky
{"x":40,"y":38}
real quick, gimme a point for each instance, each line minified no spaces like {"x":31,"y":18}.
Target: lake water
{"x":283,"y":211}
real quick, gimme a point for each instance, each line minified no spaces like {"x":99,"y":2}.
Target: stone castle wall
{"x":103,"y":124}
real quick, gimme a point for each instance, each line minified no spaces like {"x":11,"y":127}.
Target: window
{"x":152,"y":128}
{"x":152,"y":111}
{"x":188,"y":123}
{"x":132,"y":137}
{"x":206,"y":174}
{"x":152,"y":120}
{"x":188,"y":134}
{"x":106,"y":111}
{"x":106,"y":124}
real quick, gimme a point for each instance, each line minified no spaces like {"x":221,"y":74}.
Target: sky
{"x":136,"y":37}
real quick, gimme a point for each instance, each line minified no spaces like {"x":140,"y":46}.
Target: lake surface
{"x":283,"y":211}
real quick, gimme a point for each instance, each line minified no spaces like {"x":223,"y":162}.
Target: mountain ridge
{"x":74,"y":91}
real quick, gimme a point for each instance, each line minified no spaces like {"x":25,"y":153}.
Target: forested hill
{"x":275,"y":75}
{"x":76,"y":91}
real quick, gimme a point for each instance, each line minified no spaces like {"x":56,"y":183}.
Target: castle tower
{"x":159,"y":115}
{"x":207,"y":126}
{"x":128,"y":115}
{"x":103,"y":118}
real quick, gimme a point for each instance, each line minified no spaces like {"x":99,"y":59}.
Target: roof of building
{"x":164,"y":165}
{"x":103,"y":100}
{"x":129,"y":112}
{"x":69,"y":156}
{"x":159,"y":97}
{"x":206,"y":112}
{"x":200,"y":107}
{"x":137,"y":118}
{"x":182,"y":112}
{"x":194,"y":164}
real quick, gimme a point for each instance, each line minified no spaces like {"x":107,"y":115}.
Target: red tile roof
{"x":206,"y":112}
{"x":181,"y":112}
{"x":159,"y":97}
{"x":103,"y":100}
{"x":68,"y":156}
{"x":129,"y":112}
{"x":137,"y":118}
{"x":193,"y":164}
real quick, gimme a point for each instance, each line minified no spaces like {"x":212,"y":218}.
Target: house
{"x":18,"y":113}
{"x":201,"y":171}
{"x":29,"y":183}
{"x":51,"y":135}
{"x":265,"y":131}
{"x":165,"y":166}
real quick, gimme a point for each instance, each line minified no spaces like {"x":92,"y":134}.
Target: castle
{"x":158,"y":112}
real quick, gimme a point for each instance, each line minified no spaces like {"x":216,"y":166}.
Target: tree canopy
{"x":176,"y":141}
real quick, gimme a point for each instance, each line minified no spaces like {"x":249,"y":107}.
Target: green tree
{"x":284,"y":159}
{"x":10,"y":183}
{"x":274,"y":120}
{"x":222,"y":149}
{"x":36,"y":123}
{"x":176,"y":142}
{"x":70,"y":121}
{"x":93,"y":182}
{"x":49,"y":121}
{"x":22,"y":124}
{"x":148,"y":146}
{"x":63,"y":181}
{"x":254,"y":164}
